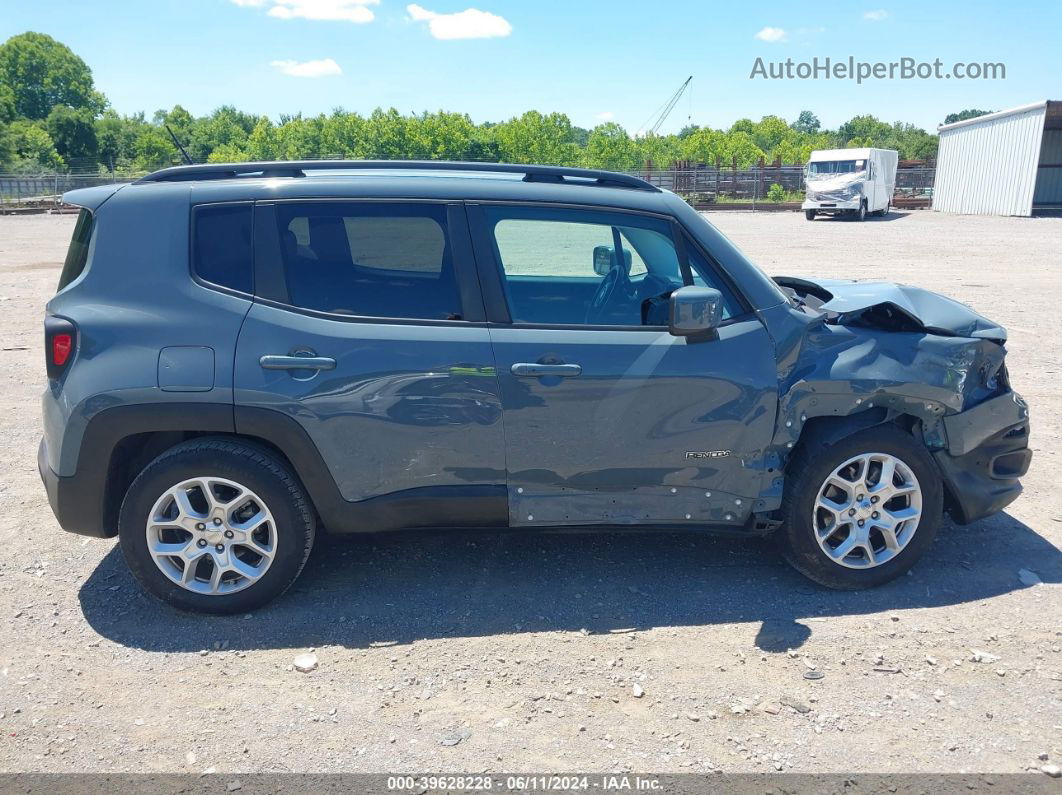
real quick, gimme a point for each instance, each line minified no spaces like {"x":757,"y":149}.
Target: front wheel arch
{"x":808,"y":469}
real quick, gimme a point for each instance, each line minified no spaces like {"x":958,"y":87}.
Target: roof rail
{"x":298,"y":168}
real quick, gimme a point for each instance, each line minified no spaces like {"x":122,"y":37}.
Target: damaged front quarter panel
{"x":870,"y":353}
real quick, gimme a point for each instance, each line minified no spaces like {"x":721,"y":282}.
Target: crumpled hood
{"x":894,"y":307}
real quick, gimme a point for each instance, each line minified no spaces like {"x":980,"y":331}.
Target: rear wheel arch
{"x":132,"y":453}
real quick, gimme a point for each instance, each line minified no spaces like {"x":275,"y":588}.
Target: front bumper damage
{"x":987,"y":451}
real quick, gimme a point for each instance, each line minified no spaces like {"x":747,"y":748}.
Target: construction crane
{"x":661,"y":114}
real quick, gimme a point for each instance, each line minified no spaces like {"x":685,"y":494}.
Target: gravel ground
{"x":561,"y":652}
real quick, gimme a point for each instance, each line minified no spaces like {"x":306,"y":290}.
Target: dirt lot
{"x":511,"y":653}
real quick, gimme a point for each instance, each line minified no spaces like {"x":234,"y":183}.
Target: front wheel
{"x":216,"y":526}
{"x":860,"y":512}
{"x":809,"y":214}
{"x":861,"y":213}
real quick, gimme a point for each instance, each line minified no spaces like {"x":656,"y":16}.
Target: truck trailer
{"x":849,"y":182}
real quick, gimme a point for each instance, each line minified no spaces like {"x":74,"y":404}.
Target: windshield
{"x":836,"y":167}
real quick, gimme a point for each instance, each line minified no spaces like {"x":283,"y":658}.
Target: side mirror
{"x":694,"y":310}
{"x":605,"y":258}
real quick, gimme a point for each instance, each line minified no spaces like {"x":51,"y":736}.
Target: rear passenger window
{"x":369,"y":259}
{"x":221,"y":250}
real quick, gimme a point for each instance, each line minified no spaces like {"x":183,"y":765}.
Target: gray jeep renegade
{"x":240,"y":354}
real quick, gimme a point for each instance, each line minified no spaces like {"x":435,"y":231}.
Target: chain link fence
{"x":41,"y":192}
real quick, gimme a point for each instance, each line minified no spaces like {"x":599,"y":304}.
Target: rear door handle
{"x":538,"y":370}
{"x":272,"y":362}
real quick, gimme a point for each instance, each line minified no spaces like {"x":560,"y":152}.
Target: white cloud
{"x":468,"y":24}
{"x":329,"y":10}
{"x":325,"y":67}
{"x":772,"y":35}
{"x":875,"y":16}
{"x":606,"y":115}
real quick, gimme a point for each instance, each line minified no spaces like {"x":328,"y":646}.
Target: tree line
{"x":52,"y":118}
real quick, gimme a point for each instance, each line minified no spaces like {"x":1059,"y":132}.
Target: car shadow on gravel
{"x":398,"y":588}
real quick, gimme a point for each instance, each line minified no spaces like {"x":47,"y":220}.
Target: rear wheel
{"x":216,"y":526}
{"x":809,"y":214}
{"x":860,"y":512}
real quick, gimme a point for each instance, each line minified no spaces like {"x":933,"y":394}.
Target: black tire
{"x":812,"y":461}
{"x":809,"y":214}
{"x":247,"y":464}
{"x":861,"y":213}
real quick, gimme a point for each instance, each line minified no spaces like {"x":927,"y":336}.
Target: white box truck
{"x":852,"y":182}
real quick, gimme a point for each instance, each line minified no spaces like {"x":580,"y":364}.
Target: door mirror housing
{"x":694,"y":310}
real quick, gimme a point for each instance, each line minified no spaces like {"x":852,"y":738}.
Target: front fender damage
{"x":868,"y":366}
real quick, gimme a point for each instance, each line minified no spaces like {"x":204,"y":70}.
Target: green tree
{"x":33,"y":148}
{"x":537,"y":138}
{"x":704,"y":145}
{"x":864,"y":128}
{"x":262,"y":143}
{"x":43,"y":73}
{"x":807,"y":122}
{"x":7,"y":148}
{"x":228,"y":153}
{"x":74,"y":135}
{"x":7,"y":103}
{"x":610,"y":147}
{"x":153,"y":149}
{"x":963,"y":115}
{"x":385,"y":135}
{"x":742,"y":125}
{"x":738,"y":147}
{"x":768,"y":133}
{"x":341,"y":134}
{"x":226,"y":125}
{"x":661,"y":151}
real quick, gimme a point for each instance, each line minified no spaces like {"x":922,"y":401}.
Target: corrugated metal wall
{"x":990,"y":168}
{"x":1049,"y":180}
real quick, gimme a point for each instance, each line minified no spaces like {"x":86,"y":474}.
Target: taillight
{"x":60,"y":343}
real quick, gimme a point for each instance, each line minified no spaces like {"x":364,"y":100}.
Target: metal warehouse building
{"x":1005,"y":163}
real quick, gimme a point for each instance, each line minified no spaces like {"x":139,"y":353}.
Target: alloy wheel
{"x":867,"y":510}
{"x":211,"y":536}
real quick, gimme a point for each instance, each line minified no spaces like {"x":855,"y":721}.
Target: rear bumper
{"x":988,"y":451}
{"x":77,"y":505}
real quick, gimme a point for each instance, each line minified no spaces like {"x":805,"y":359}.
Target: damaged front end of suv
{"x":873,"y":353}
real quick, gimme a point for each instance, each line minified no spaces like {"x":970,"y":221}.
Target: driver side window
{"x":582,"y":267}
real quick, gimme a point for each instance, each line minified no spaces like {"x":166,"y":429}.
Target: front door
{"x":364,"y":331}
{"x":610,"y":420}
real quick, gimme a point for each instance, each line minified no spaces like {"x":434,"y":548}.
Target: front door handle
{"x":539,"y":370}
{"x":272,"y":362}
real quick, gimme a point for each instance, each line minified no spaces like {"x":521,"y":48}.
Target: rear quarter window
{"x":78,"y":252}
{"x":222,"y":251}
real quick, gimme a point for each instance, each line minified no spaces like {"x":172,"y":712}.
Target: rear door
{"x":367,"y":330}
{"x":608,"y":418}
